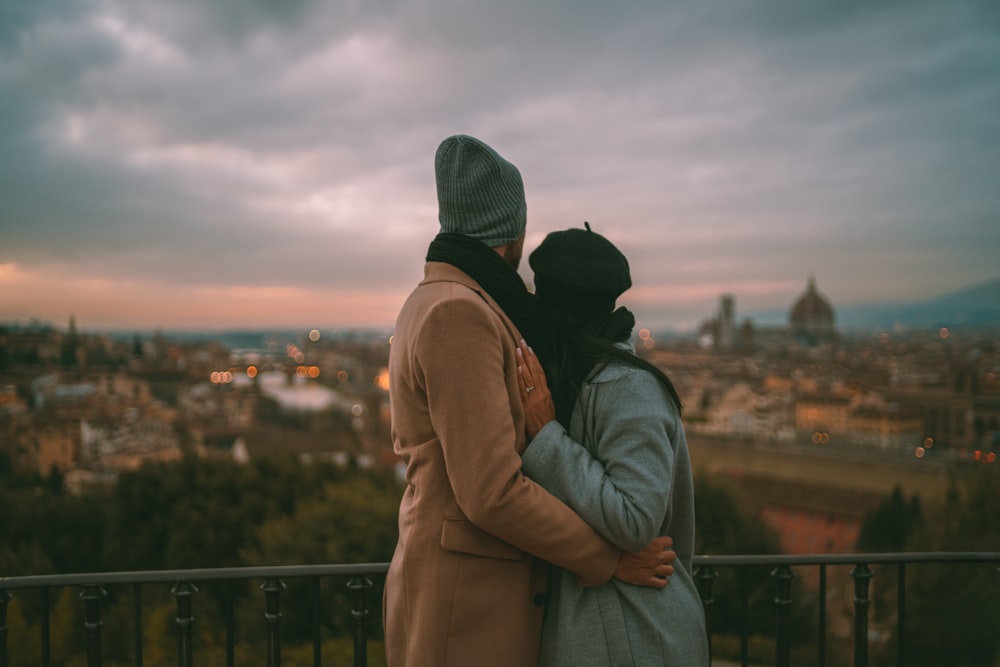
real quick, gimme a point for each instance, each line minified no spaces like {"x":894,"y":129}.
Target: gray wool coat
{"x":624,"y":467}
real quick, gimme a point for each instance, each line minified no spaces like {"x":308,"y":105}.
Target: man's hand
{"x":650,"y":567}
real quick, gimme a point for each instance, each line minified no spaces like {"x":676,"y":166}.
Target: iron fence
{"x":359,"y":582}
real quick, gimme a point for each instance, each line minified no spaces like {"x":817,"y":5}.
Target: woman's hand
{"x":536,"y":398}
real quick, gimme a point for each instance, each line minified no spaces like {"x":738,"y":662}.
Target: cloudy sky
{"x":190,"y":164}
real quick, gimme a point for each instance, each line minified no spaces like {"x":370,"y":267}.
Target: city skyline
{"x":181,"y":165}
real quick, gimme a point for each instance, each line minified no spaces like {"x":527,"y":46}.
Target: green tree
{"x":55,"y":480}
{"x":198,"y":513}
{"x":195,"y":513}
{"x":353,"y":521}
{"x":725,"y":527}
{"x":67,"y":531}
{"x":889,"y":526}
{"x":953,"y":611}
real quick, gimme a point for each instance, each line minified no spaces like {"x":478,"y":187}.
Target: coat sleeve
{"x":623,"y":488}
{"x":469,"y":381}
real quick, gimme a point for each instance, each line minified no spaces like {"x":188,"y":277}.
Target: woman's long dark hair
{"x":572,"y":347}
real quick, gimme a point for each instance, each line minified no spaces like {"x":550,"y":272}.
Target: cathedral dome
{"x":812,"y":315}
{"x":812,"y":307}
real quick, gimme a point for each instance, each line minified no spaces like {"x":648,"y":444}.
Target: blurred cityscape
{"x":812,"y":424}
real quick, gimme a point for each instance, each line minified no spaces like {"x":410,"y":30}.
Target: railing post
{"x":92,"y":595}
{"x":184,"y":592}
{"x":317,"y":600}
{"x":137,"y":620}
{"x":741,"y":573}
{"x":901,"y":615}
{"x":230,"y":626}
{"x":359,"y":586}
{"x":46,"y":627}
{"x":705,"y":578}
{"x":862,"y":576}
{"x":782,"y":576}
{"x":821,"y":648}
{"x":272,"y":588}
{"x":5,"y":597}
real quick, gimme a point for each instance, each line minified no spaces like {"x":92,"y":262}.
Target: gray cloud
{"x":260,"y":143}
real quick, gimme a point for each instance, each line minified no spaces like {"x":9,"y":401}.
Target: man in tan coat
{"x":467,"y":581}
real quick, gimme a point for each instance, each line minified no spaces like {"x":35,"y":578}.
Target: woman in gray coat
{"x":607,"y":439}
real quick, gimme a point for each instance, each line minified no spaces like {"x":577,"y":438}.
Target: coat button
{"x":541,"y":599}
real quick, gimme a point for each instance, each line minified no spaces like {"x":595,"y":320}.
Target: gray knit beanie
{"x":480,"y":194}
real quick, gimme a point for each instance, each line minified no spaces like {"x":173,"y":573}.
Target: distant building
{"x":725,"y":332}
{"x":886,"y":426}
{"x":823,"y":413}
{"x":811,"y":322}
{"x":838,"y":417}
{"x":54,"y":447}
{"x":960,"y":413}
{"x":721,"y":333}
{"x":811,"y":319}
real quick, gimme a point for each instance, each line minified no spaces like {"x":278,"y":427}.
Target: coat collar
{"x":442,"y":272}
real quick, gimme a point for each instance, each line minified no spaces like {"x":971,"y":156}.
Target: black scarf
{"x":484,"y":265}
{"x":616,"y":327}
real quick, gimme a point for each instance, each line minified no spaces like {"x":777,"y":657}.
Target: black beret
{"x":578,"y":269}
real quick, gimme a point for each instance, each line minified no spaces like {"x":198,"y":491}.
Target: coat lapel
{"x":436,"y":272}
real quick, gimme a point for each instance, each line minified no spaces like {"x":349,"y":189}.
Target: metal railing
{"x":861,"y":573}
{"x":184,"y":589}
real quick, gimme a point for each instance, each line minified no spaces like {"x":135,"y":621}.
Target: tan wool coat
{"x":467,"y":581}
